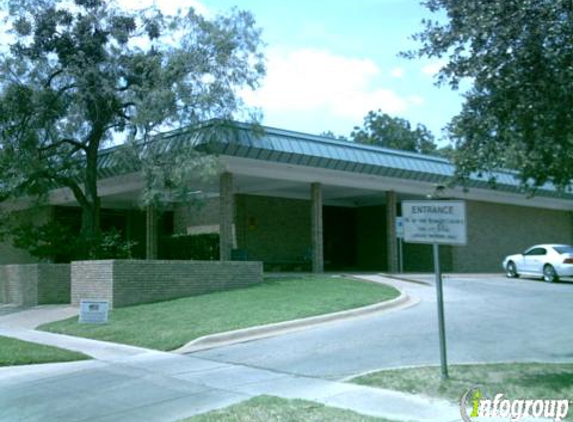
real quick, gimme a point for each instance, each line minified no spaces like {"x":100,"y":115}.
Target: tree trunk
{"x":90,"y":229}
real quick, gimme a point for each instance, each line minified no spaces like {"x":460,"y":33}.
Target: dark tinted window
{"x":564,"y":249}
{"x":536,"y":251}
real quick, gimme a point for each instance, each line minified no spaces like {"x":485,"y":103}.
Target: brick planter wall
{"x":54,"y":283}
{"x":130,"y":282}
{"x":35,"y":284}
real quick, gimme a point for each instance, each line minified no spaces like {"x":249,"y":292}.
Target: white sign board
{"x":399,"y":227}
{"x":440,"y":222}
{"x":93,"y":311}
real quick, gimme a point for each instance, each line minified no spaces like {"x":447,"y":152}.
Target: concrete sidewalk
{"x":21,"y":324}
{"x":30,"y":318}
{"x":101,"y":350}
{"x":163,"y":387}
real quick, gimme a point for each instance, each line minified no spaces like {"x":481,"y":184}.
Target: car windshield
{"x":564,"y":249}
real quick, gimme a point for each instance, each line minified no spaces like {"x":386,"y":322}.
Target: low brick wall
{"x":35,"y":284}
{"x":127,"y":282}
{"x":54,"y":284}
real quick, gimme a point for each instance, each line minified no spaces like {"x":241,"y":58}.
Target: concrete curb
{"x":401,"y":277}
{"x":271,"y":330}
{"x":349,"y":378}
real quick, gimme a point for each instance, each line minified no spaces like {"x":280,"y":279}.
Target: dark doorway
{"x":371,"y":235}
{"x":339,"y":225}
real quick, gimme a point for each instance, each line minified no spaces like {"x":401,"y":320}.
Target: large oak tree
{"x":383,"y":130}
{"x":518,"y":57}
{"x":76,"y":75}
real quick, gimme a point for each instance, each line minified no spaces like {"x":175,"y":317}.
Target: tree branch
{"x":65,"y":88}
{"x":74,"y":187}
{"x":52,"y":76}
{"x":77,"y":145}
{"x":117,"y":124}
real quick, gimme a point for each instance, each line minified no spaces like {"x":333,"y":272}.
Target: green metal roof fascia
{"x":433,"y":167}
{"x":371,"y":155}
{"x":350,"y":155}
{"x":265,"y":154}
{"x":341,"y":165}
{"x":355,"y":152}
{"x":275,"y":155}
{"x":284,"y":157}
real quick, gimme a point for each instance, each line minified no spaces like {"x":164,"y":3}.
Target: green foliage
{"x":110,"y":244}
{"x":17,"y":352}
{"x":330,"y":134}
{"x":57,"y":242}
{"x":518,"y":55}
{"x":171,"y":170}
{"x":383,"y":130}
{"x":75,"y":76}
{"x":46,"y":242}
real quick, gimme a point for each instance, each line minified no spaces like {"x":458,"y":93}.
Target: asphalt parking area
{"x":489,"y":318}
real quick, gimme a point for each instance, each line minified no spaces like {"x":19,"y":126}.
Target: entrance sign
{"x":435,"y":222}
{"x":93,"y":311}
{"x":438,"y":223}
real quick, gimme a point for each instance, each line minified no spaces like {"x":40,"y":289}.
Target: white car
{"x":547,"y":261}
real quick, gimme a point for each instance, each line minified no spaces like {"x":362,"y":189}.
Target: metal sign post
{"x":441,"y":322}
{"x":400,"y":236}
{"x":436,"y":223}
{"x":401,"y":252}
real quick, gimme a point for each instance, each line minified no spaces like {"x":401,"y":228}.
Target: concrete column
{"x":391,"y":245}
{"x":151,"y":232}
{"x":227,"y":215}
{"x":316,"y":228}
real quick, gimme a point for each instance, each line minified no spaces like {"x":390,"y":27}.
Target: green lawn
{"x":514,"y":381}
{"x":17,"y":352}
{"x":170,"y":325}
{"x":274,"y":409}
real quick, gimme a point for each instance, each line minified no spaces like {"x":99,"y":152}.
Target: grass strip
{"x":18,"y":352}
{"x":274,"y":409}
{"x":169,"y":325}
{"x":513,"y":380}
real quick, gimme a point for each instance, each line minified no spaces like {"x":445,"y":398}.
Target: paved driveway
{"x":487,"y":320}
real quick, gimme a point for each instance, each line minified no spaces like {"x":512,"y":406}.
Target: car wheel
{"x":511,"y":270}
{"x":549,"y":274}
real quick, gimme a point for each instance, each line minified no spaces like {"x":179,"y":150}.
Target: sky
{"x":329,"y":62}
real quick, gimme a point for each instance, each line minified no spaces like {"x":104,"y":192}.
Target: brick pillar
{"x":227,"y":213}
{"x":316,"y":228}
{"x":151,"y":232}
{"x":391,"y":245}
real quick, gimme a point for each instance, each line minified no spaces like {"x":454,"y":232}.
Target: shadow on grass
{"x":556,"y":383}
{"x":514,"y":380}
